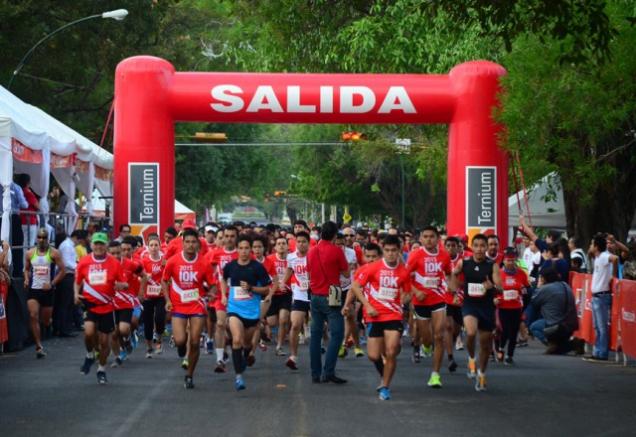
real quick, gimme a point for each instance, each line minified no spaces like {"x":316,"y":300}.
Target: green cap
{"x":99,"y":237}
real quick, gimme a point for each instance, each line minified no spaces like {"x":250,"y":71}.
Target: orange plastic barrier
{"x":4,"y":331}
{"x":581,"y":287}
{"x":626,"y":317}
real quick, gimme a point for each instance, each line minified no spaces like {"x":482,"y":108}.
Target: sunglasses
{"x":349,"y":235}
{"x":41,"y":238}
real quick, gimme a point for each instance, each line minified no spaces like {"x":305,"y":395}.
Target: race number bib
{"x":97,"y":277}
{"x":387,"y":293}
{"x":303,"y":283}
{"x":510,"y":294}
{"x":153,"y":290}
{"x":41,"y":271}
{"x":241,"y":294}
{"x":430,"y":282}
{"x":188,"y":296}
{"x":476,"y":290}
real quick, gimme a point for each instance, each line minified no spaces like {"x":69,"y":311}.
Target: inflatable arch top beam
{"x":150,"y":97}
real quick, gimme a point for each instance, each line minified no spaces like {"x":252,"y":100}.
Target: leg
{"x":219,"y":334}
{"x":160,"y":320}
{"x":470,"y":324}
{"x":196,"y":327}
{"x":424,"y":330}
{"x":319,"y":310}
{"x":375,"y":352}
{"x":34,"y":320}
{"x":148,"y":316}
{"x":90,"y":335}
{"x":514,"y":331}
{"x":238,"y":332}
{"x":103,"y":348}
{"x":536,"y":328}
{"x":283,"y":323}
{"x":438,"y":321}
{"x":485,"y":349}
{"x":336,"y":331}
{"x":179,"y":331}
{"x":391,"y":351}
{"x":297,"y":322}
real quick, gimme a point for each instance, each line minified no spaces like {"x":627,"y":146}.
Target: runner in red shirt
{"x":176,"y":245}
{"x":510,"y":304}
{"x":168,"y":236}
{"x":97,"y":277}
{"x":154,"y":304}
{"x":388,"y":284}
{"x":218,"y":259}
{"x":454,"y":321}
{"x":210,"y":237}
{"x":278,"y":314}
{"x":431,"y":268}
{"x":186,"y":280}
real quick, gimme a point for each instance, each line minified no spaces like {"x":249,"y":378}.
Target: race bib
{"x":153,"y":290}
{"x":188,"y":296}
{"x":97,"y":277}
{"x":303,"y":283}
{"x":430,"y":282}
{"x":41,"y":271}
{"x":241,"y":294}
{"x":476,"y":290}
{"x":387,"y":293}
{"x":510,"y":294}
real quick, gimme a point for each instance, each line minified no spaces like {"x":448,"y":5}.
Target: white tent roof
{"x":545,"y":214}
{"x":180,"y":208}
{"x":99,"y":204}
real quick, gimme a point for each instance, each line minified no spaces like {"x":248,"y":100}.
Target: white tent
{"x":545,"y":201}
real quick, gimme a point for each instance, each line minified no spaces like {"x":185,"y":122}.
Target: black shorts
{"x":105,"y":322}
{"x":300,"y":305}
{"x":212,"y":314}
{"x":247,"y":323}
{"x":484,"y":313}
{"x":279,"y":302}
{"x":44,"y":297}
{"x":124,"y":315}
{"x":425,"y":312}
{"x":376,"y":329}
{"x":456,"y":313}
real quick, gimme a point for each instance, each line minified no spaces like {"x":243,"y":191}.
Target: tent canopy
{"x":545,"y":201}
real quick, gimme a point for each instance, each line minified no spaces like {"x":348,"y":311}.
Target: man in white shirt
{"x":601,"y":296}
{"x":63,"y":304}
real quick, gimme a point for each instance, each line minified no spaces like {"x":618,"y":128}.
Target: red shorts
{"x":218,"y":305}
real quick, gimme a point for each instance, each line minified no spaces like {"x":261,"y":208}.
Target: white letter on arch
{"x":229,"y":102}
{"x":264,"y":98}
{"x":346,"y":99}
{"x":397,"y":99}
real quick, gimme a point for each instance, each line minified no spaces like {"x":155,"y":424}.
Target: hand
{"x":420,"y":295}
{"x":224,"y":300}
{"x":372,"y":312}
{"x":26,"y":284}
{"x":268,"y":298}
{"x":245,"y":286}
{"x":78,"y":299}
{"x":496,"y":301}
{"x":47,"y":286}
{"x":168,"y":306}
{"x":345,"y":311}
{"x":488,"y":284}
{"x":456,"y":300}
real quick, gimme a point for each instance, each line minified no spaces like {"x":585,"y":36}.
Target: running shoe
{"x":416,"y":357}
{"x":40,"y":353}
{"x":220,"y":367}
{"x":359,"y":352}
{"x":342,"y":352}
{"x":188,"y":383}
{"x":262,"y":346}
{"x":123,"y":356}
{"x":159,"y":349}
{"x":101,"y":378}
{"x":480,"y":383}
{"x":435,"y":381}
{"x":280,"y":352}
{"x":500,"y":356}
{"x":134,"y":340}
{"x":522,"y":343}
{"x":301,"y":338}
{"x":509,"y":361}
{"x":171,"y":343}
{"x":226,"y":357}
{"x":427,"y":351}
{"x":291,"y":363}
{"x":384,"y":394}
{"x":86,"y":367}
{"x":128,"y":346}
{"x":452,"y":366}
{"x":209,"y":347}
{"x":149,"y":353}
{"x":472,"y":369}
{"x":118,"y":362}
{"x":250,"y":360}
{"x":184,"y":364}
{"x":459,"y":344}
{"x":239,"y":384}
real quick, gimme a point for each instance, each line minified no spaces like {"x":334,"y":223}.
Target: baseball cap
{"x":210,"y":228}
{"x":188,"y":224}
{"x":99,"y":237}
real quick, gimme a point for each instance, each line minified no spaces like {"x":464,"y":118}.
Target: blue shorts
{"x":137,"y":312}
{"x":188,"y":316}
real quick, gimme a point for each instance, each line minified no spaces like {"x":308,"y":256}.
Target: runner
{"x":210,"y":237}
{"x":218,"y":260}
{"x":278,"y":313}
{"x":185,"y":280}
{"x":154,"y":314}
{"x":176,"y":245}
{"x":351,"y":325}
{"x":297,"y":273}
{"x":388,"y":282}
{"x":454,"y":301}
{"x":481,"y":281}
{"x":510,"y":304}
{"x":493,"y":253}
{"x":128,"y":249}
{"x":168,"y":236}
{"x":430,"y":268}
{"x":40,"y":264}
{"x":259,"y":248}
{"x":97,"y":278}
{"x":244,"y":283}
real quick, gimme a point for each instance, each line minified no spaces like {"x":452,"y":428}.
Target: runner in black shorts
{"x":454,"y":300}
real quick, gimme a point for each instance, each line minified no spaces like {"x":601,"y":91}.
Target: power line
{"x":339,"y":143}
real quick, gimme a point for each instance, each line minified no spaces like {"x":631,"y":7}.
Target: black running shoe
{"x":85,"y":369}
{"x":39,"y":353}
{"x":101,"y":378}
{"x":188,"y":383}
{"x":452,"y":366}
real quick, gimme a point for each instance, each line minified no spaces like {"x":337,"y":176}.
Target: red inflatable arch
{"x":150,"y":97}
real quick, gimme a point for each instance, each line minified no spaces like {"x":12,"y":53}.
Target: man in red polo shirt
{"x":325,"y":263}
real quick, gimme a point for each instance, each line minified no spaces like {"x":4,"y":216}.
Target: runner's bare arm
{"x":165,"y":287}
{"x":77,"y":288}
{"x":27,"y":267}
{"x":357,"y":290}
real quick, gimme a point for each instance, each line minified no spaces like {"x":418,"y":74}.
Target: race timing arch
{"x":150,"y":97}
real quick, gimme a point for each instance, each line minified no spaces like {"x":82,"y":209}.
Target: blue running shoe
{"x":123,"y":355}
{"x":239,"y":384}
{"x":85,"y":369}
{"x":134,"y":340}
{"x":384,"y":394}
{"x":209,"y":347}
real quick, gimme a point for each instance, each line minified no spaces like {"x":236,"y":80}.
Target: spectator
{"x":551,"y":257}
{"x":325,"y":263}
{"x":617,"y":248}
{"x":629,"y":267}
{"x":124,"y":231}
{"x":63,"y":304}
{"x":601,"y":296}
{"x":554,"y":300}
{"x":80,"y":238}
{"x":18,"y":202}
{"x":578,"y":258}
{"x":29,"y":216}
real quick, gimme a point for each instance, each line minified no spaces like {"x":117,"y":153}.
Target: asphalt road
{"x":540,"y":396}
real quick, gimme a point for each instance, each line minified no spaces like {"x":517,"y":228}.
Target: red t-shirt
{"x":176,"y":246}
{"x":187,"y":291}
{"x":359,"y":254}
{"x":98,"y":277}
{"x":498,"y":259}
{"x":324,"y":264}
{"x":280,"y":269}
{"x":513,"y":287}
{"x":429,"y":272}
{"x":154,"y":272}
{"x":450,"y":297}
{"x":292,"y":244}
{"x":383,"y":287}
{"x":218,"y":259}
{"x":29,"y":196}
{"x":125,"y":299}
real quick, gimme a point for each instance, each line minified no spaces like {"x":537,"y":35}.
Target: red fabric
{"x":4,"y":329}
{"x":29,"y":219}
{"x":125,"y":299}
{"x":518,"y":281}
{"x":359,"y":254}
{"x":626,"y":317}
{"x":176,"y":246}
{"x":450,"y":297}
{"x":188,"y":277}
{"x":324,"y":264}
{"x":280,"y":269}
{"x":425,"y":267}
{"x":154,"y":272}
{"x":90,"y":272}
{"x":383,"y":287}
{"x":218,"y":259}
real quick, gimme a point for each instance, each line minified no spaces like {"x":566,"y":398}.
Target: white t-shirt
{"x":602,"y":274}
{"x":345,"y":281}
{"x":531,"y":258}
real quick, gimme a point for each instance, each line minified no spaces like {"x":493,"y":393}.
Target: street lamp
{"x":118,"y":14}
